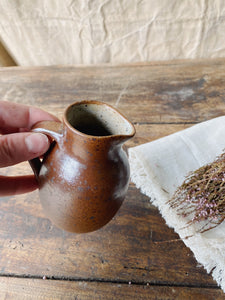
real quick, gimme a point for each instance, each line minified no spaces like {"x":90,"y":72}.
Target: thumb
{"x":18,"y":147}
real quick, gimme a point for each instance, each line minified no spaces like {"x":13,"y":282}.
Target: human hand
{"x":17,"y":144}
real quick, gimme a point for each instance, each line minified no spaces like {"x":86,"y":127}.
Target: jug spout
{"x":121,"y":128}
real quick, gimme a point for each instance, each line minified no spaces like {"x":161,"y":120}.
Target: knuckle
{"x":7,"y":153}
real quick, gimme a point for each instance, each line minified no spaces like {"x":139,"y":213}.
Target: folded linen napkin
{"x":158,"y":168}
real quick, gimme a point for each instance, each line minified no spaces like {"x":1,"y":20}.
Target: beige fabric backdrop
{"x":47,"y":32}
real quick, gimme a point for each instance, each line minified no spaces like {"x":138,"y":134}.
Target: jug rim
{"x":96,"y":102}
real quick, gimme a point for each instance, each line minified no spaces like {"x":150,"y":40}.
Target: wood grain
{"x":136,"y":246}
{"x":31,"y":246}
{"x":185,"y":91}
{"x":39,"y":289}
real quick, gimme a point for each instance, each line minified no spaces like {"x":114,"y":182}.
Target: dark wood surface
{"x":135,"y":256}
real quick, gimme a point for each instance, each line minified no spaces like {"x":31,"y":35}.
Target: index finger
{"x":14,"y":116}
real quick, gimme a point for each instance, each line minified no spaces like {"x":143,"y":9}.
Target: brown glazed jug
{"x":84,"y":177}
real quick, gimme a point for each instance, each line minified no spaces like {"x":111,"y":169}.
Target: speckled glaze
{"x":84,"y":177}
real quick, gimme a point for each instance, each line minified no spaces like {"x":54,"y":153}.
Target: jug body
{"x":84,"y":177}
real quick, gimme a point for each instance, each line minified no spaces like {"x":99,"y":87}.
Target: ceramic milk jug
{"x":84,"y":176}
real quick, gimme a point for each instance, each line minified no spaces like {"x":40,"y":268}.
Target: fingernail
{"x":37,"y":143}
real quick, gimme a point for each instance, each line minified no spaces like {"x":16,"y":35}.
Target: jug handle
{"x":53,"y":129}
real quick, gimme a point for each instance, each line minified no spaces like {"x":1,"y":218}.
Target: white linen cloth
{"x":44,"y":32}
{"x":158,"y":168}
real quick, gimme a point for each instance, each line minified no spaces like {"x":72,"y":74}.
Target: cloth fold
{"x":158,"y":168}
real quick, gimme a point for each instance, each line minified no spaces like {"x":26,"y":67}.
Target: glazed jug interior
{"x":97,"y":119}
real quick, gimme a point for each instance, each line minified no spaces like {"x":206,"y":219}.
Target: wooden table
{"x":135,"y":256}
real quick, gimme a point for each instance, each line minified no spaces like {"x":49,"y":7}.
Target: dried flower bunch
{"x":201,"y":198}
